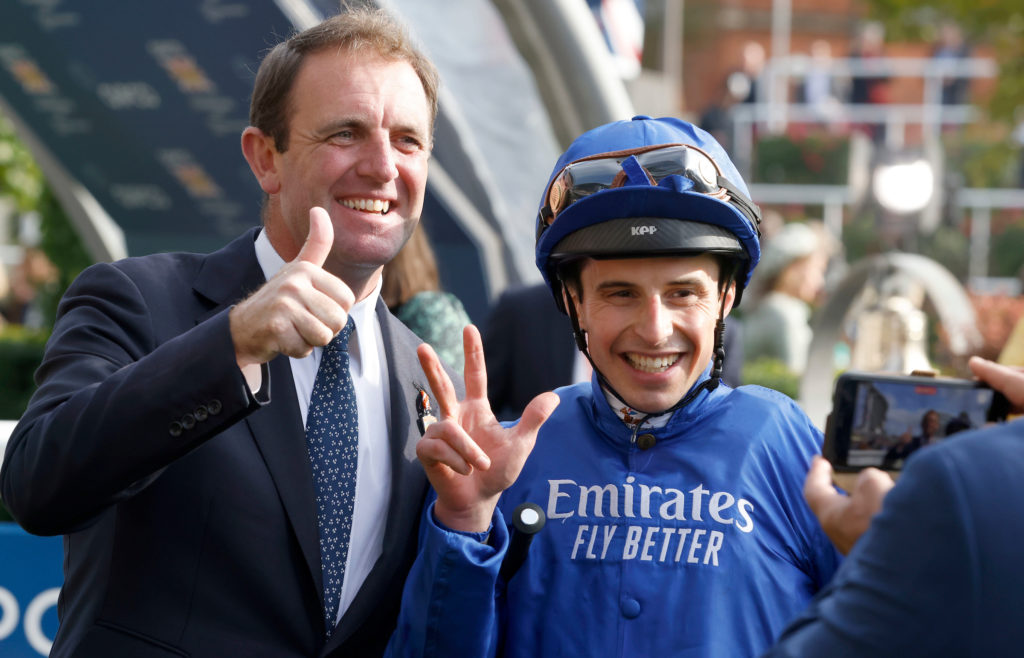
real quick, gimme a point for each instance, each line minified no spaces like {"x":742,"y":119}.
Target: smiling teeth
{"x":651,"y":363}
{"x":369,"y":205}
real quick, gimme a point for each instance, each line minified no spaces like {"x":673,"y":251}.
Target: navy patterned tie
{"x":332,"y":438}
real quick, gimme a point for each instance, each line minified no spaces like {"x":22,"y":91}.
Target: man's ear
{"x":261,"y":154}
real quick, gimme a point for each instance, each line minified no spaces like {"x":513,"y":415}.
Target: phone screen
{"x":881,"y":420}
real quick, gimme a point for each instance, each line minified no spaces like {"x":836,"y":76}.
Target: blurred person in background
{"x":31,"y":278}
{"x":933,"y":565}
{"x":412,"y":291}
{"x":744,"y":83}
{"x":951,"y":47}
{"x":819,"y":84}
{"x":790,"y":279}
{"x":870,"y":87}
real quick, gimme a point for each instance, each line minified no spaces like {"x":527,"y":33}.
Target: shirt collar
{"x":631,"y":417}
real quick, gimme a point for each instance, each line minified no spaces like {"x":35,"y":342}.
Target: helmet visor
{"x":604,"y":171}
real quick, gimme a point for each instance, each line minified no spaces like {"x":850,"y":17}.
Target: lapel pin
{"x":424,"y":414}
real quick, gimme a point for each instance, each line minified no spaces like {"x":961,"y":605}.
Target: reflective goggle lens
{"x":584,"y":177}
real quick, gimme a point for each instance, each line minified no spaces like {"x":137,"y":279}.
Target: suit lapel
{"x":405,"y":376}
{"x":227,"y":276}
{"x":278,"y":430}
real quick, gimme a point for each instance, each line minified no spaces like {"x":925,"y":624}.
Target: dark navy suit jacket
{"x":187,"y":506}
{"x":939,"y":572}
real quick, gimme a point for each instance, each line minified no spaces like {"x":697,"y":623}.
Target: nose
{"x":654,"y":324}
{"x":377,"y":160}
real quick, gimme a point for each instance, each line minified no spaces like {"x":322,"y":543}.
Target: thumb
{"x":1005,"y":379}
{"x":537,"y":412}
{"x":320,"y":239}
{"x":818,"y":490}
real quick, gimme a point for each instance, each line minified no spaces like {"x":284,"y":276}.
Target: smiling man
{"x":226,"y":486}
{"x":676,"y":523}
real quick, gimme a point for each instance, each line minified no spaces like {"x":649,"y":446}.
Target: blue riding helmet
{"x":646,"y":187}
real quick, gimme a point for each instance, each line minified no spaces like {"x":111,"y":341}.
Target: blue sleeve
{"x":903,"y":589}
{"x":449,"y":607}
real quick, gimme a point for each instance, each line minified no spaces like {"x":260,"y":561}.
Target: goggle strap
{"x":746,"y":206}
{"x":578,"y":334}
{"x":581,"y":343}
{"x":635,"y":173}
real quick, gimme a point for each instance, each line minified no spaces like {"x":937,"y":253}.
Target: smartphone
{"x":881,"y":419}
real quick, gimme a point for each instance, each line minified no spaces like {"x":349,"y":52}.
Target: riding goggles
{"x":648,"y":165}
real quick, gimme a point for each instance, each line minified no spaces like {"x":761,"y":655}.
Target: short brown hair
{"x":358,"y":29}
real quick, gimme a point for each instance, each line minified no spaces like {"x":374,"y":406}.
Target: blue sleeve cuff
{"x":480,"y":547}
{"x":480,"y":537}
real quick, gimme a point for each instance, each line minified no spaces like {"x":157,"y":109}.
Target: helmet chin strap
{"x":709,"y":384}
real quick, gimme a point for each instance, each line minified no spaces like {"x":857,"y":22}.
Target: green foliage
{"x":949,"y":247}
{"x":20,"y":178}
{"x":814,"y":159}
{"x":861,"y":238}
{"x":772,"y":373}
{"x":1006,"y":254}
{"x":63,"y":247}
{"x":23,"y":184}
{"x":981,"y":162}
{"x":21,"y":350}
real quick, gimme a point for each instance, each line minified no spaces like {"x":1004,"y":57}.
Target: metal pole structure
{"x":778,"y":98}
{"x":981,"y":230}
{"x":575,"y":73}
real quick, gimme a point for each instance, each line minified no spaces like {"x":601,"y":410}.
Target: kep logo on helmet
{"x":663,"y":179}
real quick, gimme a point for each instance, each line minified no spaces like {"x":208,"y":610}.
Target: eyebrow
{"x":693,"y":280}
{"x":361,"y":124}
{"x":334,"y":126}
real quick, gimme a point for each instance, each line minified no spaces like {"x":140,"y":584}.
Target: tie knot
{"x":340,"y":342}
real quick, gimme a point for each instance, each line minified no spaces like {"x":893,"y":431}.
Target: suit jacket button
{"x":213,"y":406}
{"x":645,"y":441}
{"x":188,"y":421}
{"x":175,"y":429}
{"x":201,"y":413}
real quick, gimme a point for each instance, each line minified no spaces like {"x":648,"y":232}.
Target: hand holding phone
{"x":845,"y":517}
{"x":881,"y":419}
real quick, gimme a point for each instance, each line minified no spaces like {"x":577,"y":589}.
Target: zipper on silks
{"x":636,"y":429}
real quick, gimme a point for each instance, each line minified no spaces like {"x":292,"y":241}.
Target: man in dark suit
{"x":166,"y":439}
{"x":934,"y":564}
{"x":530,"y":349}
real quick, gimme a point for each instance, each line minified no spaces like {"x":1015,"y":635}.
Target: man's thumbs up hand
{"x":303,"y":306}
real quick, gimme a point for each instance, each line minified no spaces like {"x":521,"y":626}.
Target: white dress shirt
{"x":369,"y":367}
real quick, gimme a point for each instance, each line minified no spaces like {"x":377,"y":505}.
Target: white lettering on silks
{"x":566,"y":499}
{"x":664,"y":542}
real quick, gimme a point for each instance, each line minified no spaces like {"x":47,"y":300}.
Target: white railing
{"x":773,"y":111}
{"x":834,"y":199}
